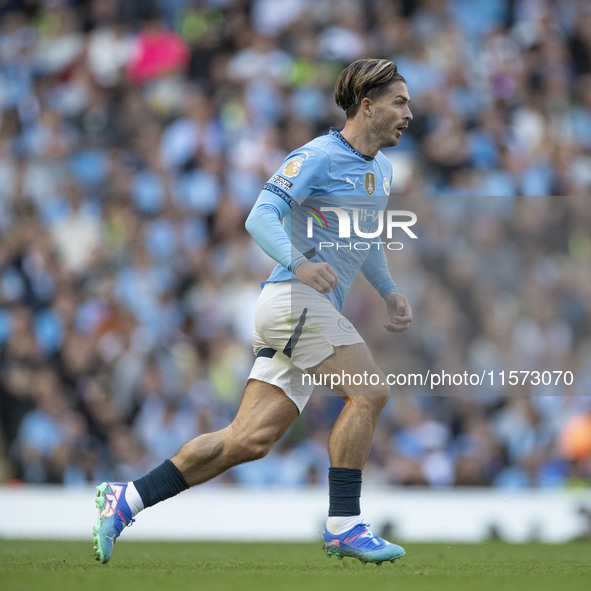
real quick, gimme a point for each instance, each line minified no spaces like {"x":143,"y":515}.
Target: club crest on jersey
{"x":386,"y":185}
{"x":293,"y":167}
{"x":370,"y":183}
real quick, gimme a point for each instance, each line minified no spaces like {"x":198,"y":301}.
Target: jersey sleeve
{"x":264,"y":225}
{"x":375,"y":270}
{"x":303,"y":173}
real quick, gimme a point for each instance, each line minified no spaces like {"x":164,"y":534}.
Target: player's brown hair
{"x":365,"y":77}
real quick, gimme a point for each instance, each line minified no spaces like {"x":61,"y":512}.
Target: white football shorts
{"x":295,"y":328}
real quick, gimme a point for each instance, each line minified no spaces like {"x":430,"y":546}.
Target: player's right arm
{"x":320,"y":276}
{"x":264,"y":225}
{"x":303,"y":172}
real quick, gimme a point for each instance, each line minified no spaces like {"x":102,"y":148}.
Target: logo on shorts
{"x":346,"y":325}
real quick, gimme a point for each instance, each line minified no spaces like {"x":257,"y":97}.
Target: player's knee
{"x":254,"y":445}
{"x":379,"y":401}
{"x":377,"y":392}
{"x":258,"y":450}
{"x":381,"y":393}
{"x":374,"y":399}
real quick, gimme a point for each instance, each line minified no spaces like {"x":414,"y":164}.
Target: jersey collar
{"x":337,"y":134}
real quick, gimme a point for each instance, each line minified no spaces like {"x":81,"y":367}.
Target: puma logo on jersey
{"x":348,"y":180}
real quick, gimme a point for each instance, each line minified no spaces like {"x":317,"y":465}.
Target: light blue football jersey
{"x":328,"y":172}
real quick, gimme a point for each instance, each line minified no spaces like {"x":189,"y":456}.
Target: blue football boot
{"x":114,"y":515}
{"x":360,"y":543}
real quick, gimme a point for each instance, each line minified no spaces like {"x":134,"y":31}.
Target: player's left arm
{"x":375,"y":270}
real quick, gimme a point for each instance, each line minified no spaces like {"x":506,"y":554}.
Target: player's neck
{"x":357,"y":136}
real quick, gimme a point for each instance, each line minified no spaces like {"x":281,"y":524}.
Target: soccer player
{"x":331,"y":195}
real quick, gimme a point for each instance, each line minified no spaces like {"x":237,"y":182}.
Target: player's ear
{"x":366,"y":106}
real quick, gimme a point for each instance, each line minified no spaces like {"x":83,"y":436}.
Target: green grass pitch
{"x":163,"y":566}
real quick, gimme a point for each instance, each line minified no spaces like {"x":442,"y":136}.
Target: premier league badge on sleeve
{"x":293,"y":167}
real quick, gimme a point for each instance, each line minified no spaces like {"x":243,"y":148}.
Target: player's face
{"x":390,"y":115}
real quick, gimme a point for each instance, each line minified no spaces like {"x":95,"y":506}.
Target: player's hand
{"x":399,"y":311}
{"x":320,"y":276}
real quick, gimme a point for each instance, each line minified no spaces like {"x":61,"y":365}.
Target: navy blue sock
{"x":344,"y":489}
{"x":160,"y":484}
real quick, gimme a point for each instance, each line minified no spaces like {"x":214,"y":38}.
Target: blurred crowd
{"x":135,"y":137}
